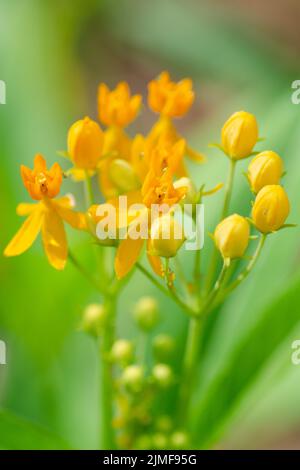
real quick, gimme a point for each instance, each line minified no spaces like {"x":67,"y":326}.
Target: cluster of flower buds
{"x":271,"y":206}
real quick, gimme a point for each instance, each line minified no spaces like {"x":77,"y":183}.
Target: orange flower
{"x":85,"y":143}
{"x":41,"y":182}
{"x":158,"y":189}
{"x":117,"y":107}
{"x":46,"y":216}
{"x":169,"y":98}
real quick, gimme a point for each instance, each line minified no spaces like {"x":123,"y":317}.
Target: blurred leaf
{"x":250,"y":355}
{"x":19,"y":434}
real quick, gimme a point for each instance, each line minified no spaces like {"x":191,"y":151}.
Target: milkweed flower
{"x":266,"y":168}
{"x":171,"y":100}
{"x":47,"y":216}
{"x":166,"y":237}
{"x":232,"y":236}
{"x":271,"y":208}
{"x":239,"y":135}
{"x":116,"y":109}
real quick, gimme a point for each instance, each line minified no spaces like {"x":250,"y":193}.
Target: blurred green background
{"x":240,"y":55}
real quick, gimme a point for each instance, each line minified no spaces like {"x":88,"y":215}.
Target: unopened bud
{"x":232,"y":236}
{"x":123,"y":176}
{"x":167,"y":237}
{"x":94,"y":319}
{"x":190,"y":195}
{"x":133,"y":378}
{"x":162,"y":374}
{"x":271,"y":208}
{"x":122,"y":351}
{"x":265,"y":169}
{"x":146,"y":313}
{"x":163,"y":346}
{"x":239,"y":135}
{"x":179,"y":440}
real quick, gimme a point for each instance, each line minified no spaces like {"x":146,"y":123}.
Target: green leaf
{"x":19,"y":434}
{"x":248,"y":358}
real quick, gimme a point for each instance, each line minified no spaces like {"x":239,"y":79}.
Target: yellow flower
{"x":266,"y":168}
{"x":85,"y":143}
{"x":169,"y":98}
{"x":117,"y":107}
{"x":239,"y":135}
{"x":166,"y":237}
{"x":271,"y":208}
{"x":46,"y":216}
{"x":232,"y":236}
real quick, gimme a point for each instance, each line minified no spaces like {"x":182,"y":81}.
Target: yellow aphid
{"x":266,"y":168}
{"x":167,"y":237}
{"x":232,"y":236}
{"x":85,"y":142}
{"x":271,"y":208}
{"x":239,"y":135}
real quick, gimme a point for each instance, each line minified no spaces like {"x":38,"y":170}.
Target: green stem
{"x":89,"y":196}
{"x":224,"y":213}
{"x":84,"y":272}
{"x":190,"y":362}
{"x":168,"y":292}
{"x":249,"y":267}
{"x":189,"y":365}
{"x":107,"y":438}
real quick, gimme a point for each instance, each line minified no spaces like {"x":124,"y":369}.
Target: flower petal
{"x":54,"y":239}
{"x":75,"y":219}
{"x":25,"y":208}
{"x":127,"y":255}
{"x":155,"y":262}
{"x":27,"y":234}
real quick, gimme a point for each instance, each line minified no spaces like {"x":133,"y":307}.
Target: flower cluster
{"x":150,"y":170}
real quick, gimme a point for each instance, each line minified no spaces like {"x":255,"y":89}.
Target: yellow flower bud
{"x":133,"y":378}
{"x":122,"y":351}
{"x":232,"y":236}
{"x":123,"y":176}
{"x":162,"y":375}
{"x":94,"y":319}
{"x":190,"y":194}
{"x":271,"y":208}
{"x":85,"y":142}
{"x":266,"y":168}
{"x":167,"y":237}
{"x":239,"y":135}
{"x":146,"y":313}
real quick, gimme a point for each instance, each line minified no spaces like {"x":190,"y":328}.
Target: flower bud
{"x":85,"y":142}
{"x":159,"y":440}
{"x":163,"y":346}
{"x":266,"y":168}
{"x":133,"y":378}
{"x":232,"y":236}
{"x":146,"y":313}
{"x":191,"y":193}
{"x":122,"y":351}
{"x":167,"y":236}
{"x":179,"y":440}
{"x":271,"y":208}
{"x":239,"y":135}
{"x":123,"y":176}
{"x":162,"y":374}
{"x":94,"y":319}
